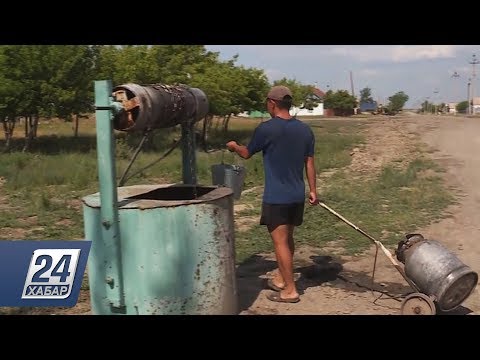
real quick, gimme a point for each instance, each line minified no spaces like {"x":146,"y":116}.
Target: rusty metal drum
{"x":177,"y":253}
{"x":156,"y":106}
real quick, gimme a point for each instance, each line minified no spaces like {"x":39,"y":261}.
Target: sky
{"x":421,"y":71}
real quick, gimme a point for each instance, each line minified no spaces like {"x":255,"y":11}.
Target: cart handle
{"x":376,"y":242}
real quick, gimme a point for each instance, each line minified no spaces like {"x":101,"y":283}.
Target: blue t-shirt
{"x":285,"y":145}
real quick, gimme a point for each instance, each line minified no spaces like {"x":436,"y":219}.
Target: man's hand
{"x":231,"y":145}
{"x":313,"y":198}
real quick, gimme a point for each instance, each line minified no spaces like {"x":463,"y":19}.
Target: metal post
{"x":189,"y":170}
{"x":108,"y":192}
{"x":457,"y":96}
{"x":435,"y":92}
{"x":468,"y":95}
{"x":456,"y":76}
{"x":474,"y":62}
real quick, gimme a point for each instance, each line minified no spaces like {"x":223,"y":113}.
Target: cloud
{"x":412,"y":53}
{"x":261,"y":55}
{"x":396,"y":53}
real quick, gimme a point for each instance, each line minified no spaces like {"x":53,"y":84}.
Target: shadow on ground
{"x":252,"y":276}
{"x":461,"y":310}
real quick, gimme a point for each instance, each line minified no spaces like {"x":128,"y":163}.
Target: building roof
{"x":318,"y":93}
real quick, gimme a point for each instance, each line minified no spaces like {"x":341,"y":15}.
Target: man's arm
{"x":256,"y":144}
{"x":310,"y":170}
{"x":241,"y":150}
{"x":311,"y":178}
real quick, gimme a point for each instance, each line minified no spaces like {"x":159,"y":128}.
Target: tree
{"x":179,"y":63}
{"x":340,"y":101}
{"x":71,"y":86}
{"x":230,"y":89}
{"x":10,"y":95}
{"x":106,"y":66}
{"x":462,"y":106}
{"x":303,"y":96}
{"x":250,"y":86}
{"x":366,"y":95}
{"x":26,"y":69}
{"x":47,"y":80}
{"x":427,"y":107}
{"x":397,"y":102}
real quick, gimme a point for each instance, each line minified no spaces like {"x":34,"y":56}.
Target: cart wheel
{"x":418,"y":304}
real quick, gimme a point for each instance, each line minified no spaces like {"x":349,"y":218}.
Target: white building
{"x":316,"y":111}
{"x":452,"y":108}
{"x":476,"y":105}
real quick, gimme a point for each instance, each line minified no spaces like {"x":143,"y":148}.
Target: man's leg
{"x":277,"y":277}
{"x":291,"y":243}
{"x":280,"y":236}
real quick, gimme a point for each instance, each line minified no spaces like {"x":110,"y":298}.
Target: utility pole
{"x":474,"y":62}
{"x":351,"y":84}
{"x":456,"y":76}
{"x":353,"y":91}
{"x":468,"y":95}
{"x":435,"y":92}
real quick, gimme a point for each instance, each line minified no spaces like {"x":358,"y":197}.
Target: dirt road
{"x":341,"y":285}
{"x":458,"y":144}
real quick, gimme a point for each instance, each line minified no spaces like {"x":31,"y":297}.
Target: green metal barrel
{"x":176,"y":251}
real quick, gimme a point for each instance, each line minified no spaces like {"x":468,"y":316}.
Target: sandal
{"x":275,"y":296}
{"x":272,"y":286}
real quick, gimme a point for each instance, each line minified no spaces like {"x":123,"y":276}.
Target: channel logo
{"x":42,"y":272}
{"x":51,"y":274}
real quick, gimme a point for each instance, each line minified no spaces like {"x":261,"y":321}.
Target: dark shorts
{"x":282,"y":214}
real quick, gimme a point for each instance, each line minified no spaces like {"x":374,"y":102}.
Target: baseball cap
{"x":279,"y":92}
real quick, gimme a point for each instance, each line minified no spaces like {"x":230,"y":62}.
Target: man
{"x":287,"y":145}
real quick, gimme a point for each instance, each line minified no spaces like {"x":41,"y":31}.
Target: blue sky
{"x":421,"y":71}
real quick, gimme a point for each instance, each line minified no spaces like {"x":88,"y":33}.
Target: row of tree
{"x":428,"y":107}
{"x":57,"y":81}
{"x":396,"y":102}
{"x":343,"y":103}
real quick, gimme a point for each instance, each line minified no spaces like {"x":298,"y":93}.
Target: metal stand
{"x":108,"y":191}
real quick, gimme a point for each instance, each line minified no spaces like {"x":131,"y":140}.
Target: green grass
{"x":387,"y":208}
{"x":45,"y":186}
{"x":50,"y":180}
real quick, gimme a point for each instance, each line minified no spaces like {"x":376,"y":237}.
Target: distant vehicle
{"x":370,"y":107}
{"x":375,"y":109}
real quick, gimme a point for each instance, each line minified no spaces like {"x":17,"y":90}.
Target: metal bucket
{"x":439,"y":273}
{"x":231,"y":176}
